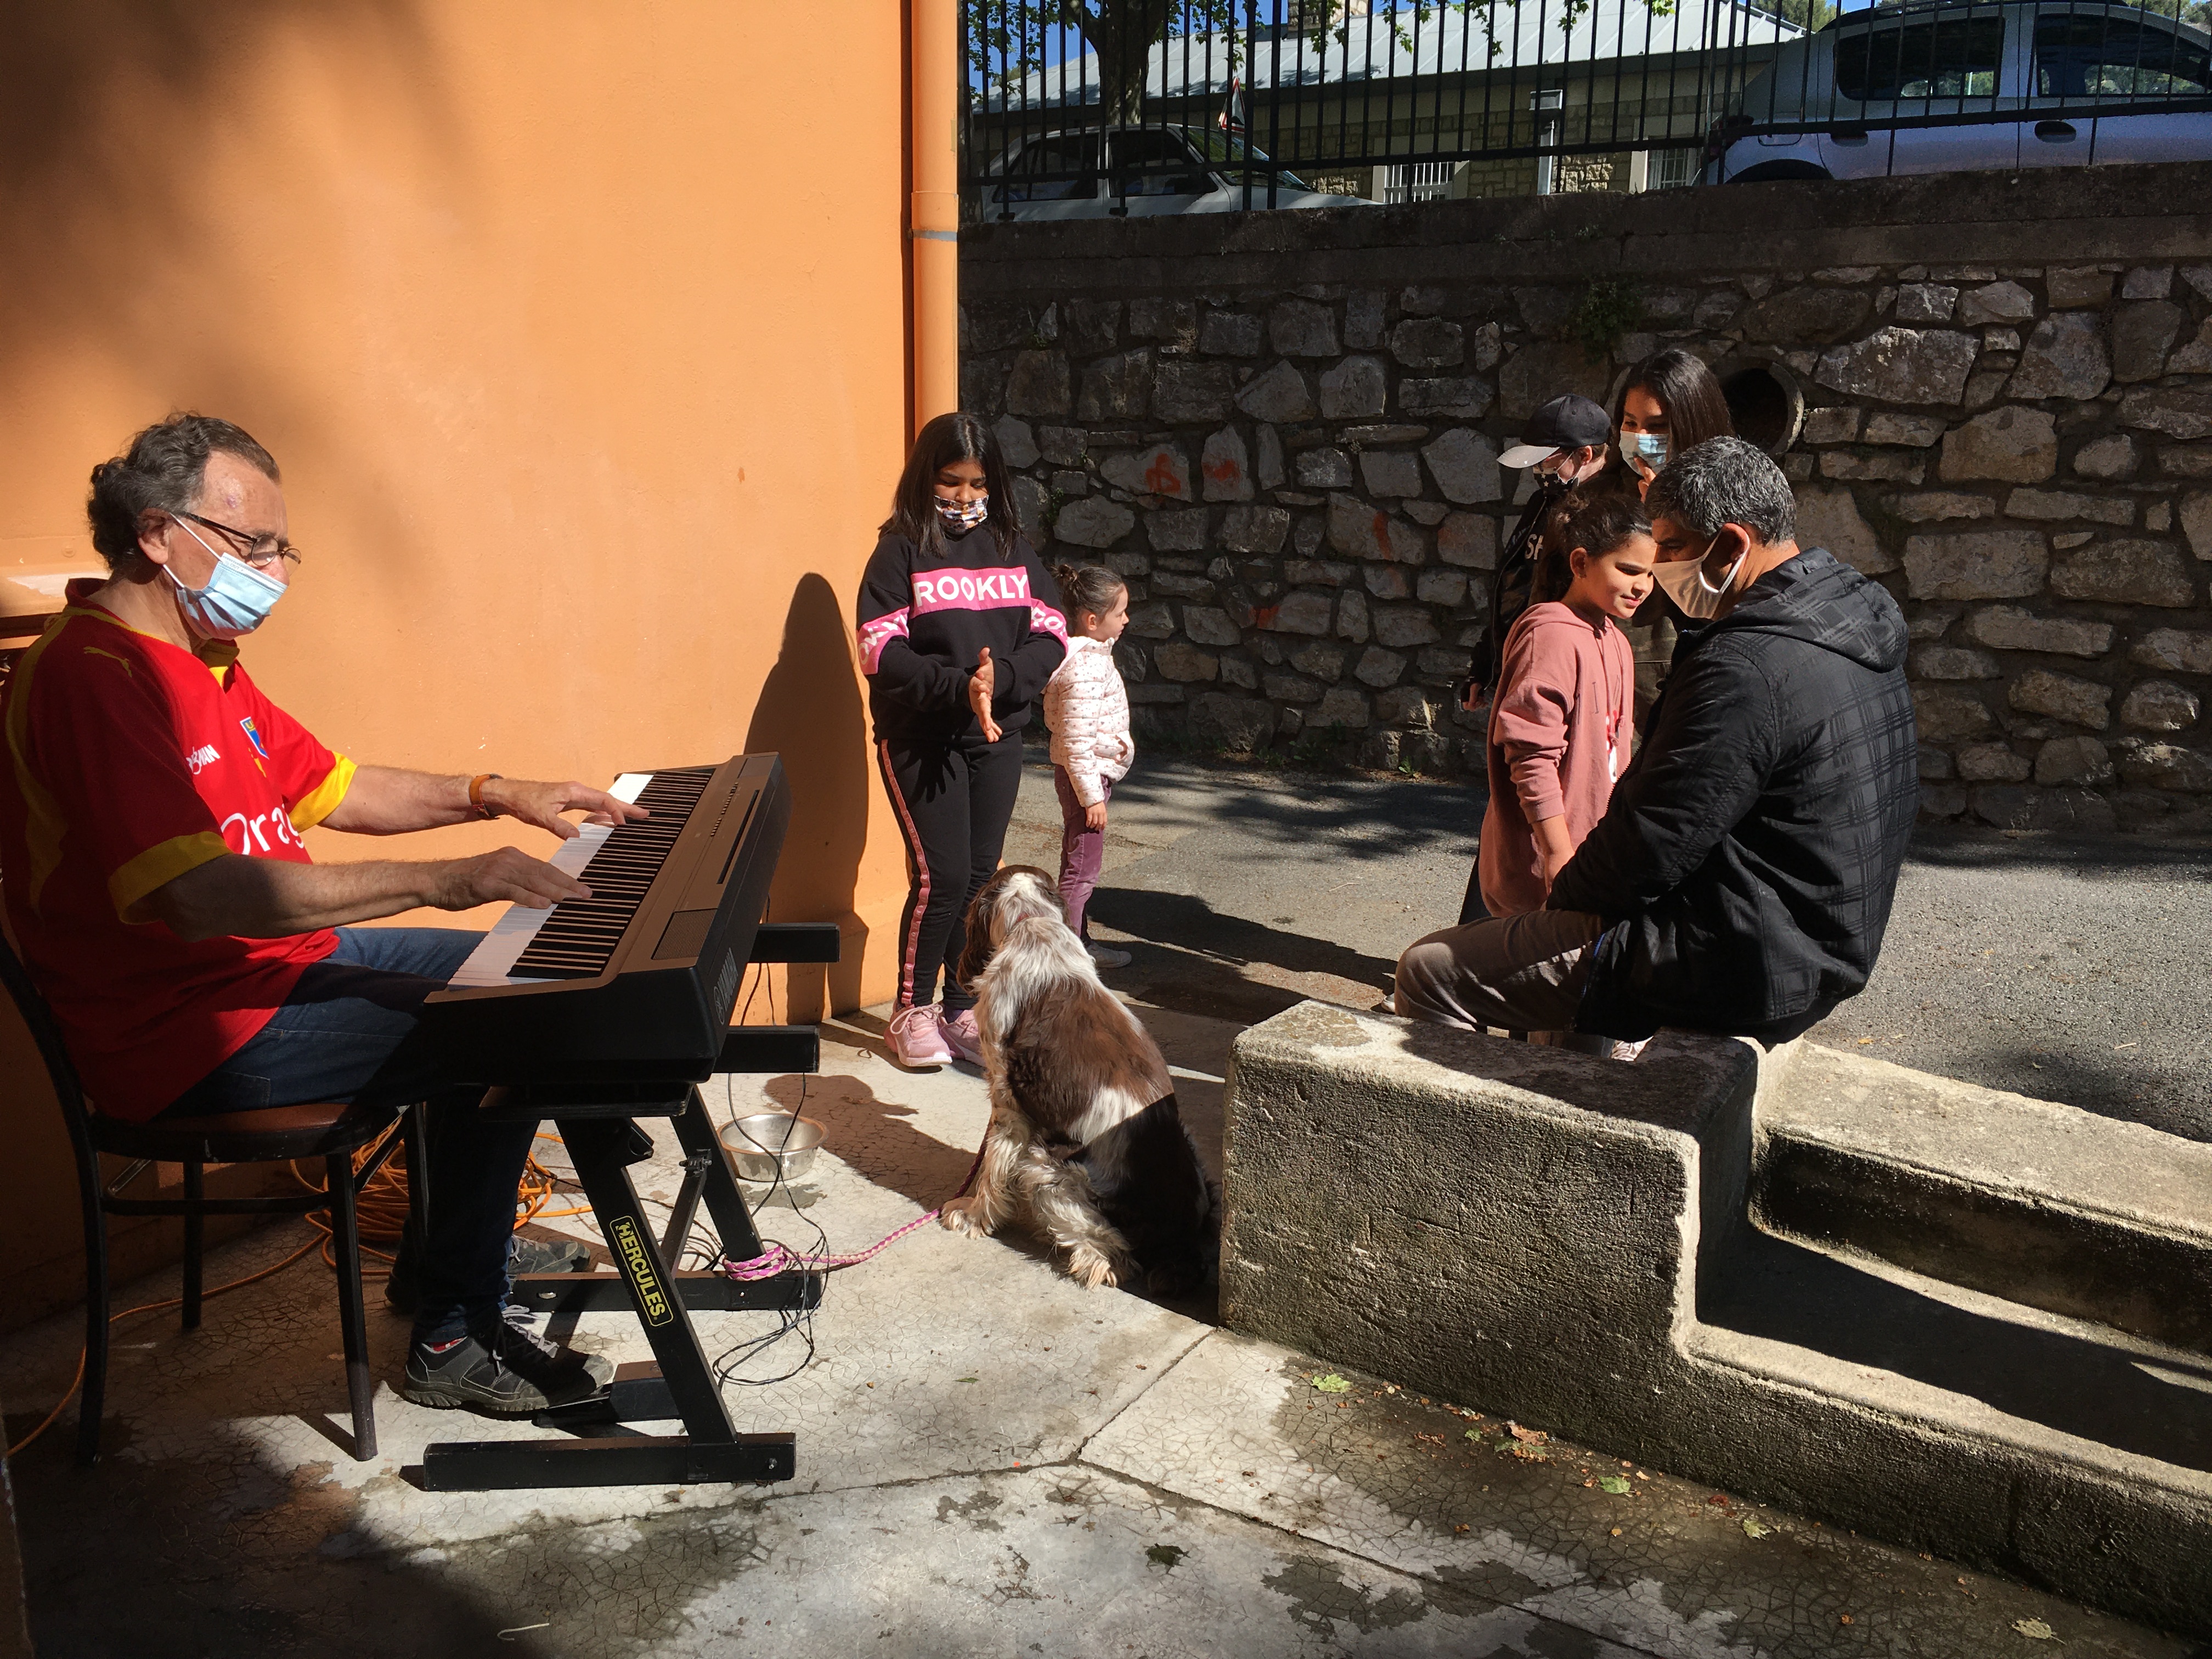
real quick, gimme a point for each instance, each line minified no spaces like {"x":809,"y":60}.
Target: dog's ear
{"x":975,"y":948}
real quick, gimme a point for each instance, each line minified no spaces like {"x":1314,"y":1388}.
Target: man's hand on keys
{"x":505,"y":876}
{"x":540,"y":804}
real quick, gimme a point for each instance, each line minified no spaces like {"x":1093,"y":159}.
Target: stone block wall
{"x":1284,"y":430}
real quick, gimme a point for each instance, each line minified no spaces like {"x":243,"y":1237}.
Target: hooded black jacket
{"x":1745,"y":865}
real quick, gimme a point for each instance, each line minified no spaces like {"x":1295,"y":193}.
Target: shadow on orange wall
{"x":452,"y":260}
{"x":809,"y":713}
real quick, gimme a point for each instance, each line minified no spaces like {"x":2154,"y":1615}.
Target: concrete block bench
{"x":1564,"y":1239}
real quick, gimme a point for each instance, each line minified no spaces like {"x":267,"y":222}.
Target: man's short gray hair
{"x":1725,"y":481}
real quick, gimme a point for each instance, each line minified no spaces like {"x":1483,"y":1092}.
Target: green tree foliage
{"x":1806,"y":13}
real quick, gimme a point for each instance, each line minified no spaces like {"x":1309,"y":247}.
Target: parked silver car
{"x":1087,"y":173}
{"x":2015,"y":84}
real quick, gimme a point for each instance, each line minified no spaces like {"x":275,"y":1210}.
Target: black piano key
{"x":580,"y":938}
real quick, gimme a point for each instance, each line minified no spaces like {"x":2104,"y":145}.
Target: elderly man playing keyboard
{"x":197,"y":960}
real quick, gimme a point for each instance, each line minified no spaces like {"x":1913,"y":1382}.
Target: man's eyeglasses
{"x":259,"y":551}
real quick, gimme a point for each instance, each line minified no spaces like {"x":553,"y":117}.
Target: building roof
{"x":1390,"y":47}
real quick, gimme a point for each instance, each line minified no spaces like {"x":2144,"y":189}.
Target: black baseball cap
{"x":1567,"y":423}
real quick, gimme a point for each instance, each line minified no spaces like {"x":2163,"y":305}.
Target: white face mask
{"x":1684,"y":582}
{"x":1566,"y":474}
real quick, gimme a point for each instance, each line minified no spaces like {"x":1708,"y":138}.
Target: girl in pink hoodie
{"x":1559,"y":724}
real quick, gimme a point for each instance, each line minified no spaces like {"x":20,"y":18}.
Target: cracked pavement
{"x":991,"y":1460}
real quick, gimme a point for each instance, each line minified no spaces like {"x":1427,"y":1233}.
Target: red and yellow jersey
{"x":129,"y":761}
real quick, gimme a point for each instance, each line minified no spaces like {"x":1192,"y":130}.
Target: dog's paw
{"x":963,"y":1215}
{"x":1176,"y":1279}
{"x":1092,"y":1269}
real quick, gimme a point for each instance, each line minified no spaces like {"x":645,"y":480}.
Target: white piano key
{"x":492,"y":963}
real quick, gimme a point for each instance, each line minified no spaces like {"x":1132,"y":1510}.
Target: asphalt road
{"x":2072,"y":970}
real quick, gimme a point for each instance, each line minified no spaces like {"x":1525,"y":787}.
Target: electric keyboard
{"x":600,"y":1011}
{"x":638,"y":981}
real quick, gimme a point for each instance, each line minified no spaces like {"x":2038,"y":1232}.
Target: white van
{"x":2015,"y":84}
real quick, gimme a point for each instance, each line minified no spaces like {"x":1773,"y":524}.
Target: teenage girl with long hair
{"x":1669,"y":402}
{"x":960,"y":627}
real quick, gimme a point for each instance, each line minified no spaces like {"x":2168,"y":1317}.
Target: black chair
{"x":332,"y":1132}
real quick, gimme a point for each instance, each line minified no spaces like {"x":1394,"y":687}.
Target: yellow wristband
{"x":476,"y":793}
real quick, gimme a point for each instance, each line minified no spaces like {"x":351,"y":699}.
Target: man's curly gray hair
{"x":1725,"y":481}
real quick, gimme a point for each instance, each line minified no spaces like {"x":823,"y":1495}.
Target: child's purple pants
{"x":1081,"y":850}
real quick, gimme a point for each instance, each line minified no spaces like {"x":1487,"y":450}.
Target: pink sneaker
{"x":960,"y":1033}
{"x":916,"y":1038}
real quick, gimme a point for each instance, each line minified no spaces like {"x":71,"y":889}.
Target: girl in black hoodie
{"x":960,"y":626}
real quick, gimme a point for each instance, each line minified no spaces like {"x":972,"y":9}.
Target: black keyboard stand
{"x":595,"y":1124}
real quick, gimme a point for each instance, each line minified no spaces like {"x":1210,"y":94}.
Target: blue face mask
{"x":236,"y":601}
{"x":1649,"y":447}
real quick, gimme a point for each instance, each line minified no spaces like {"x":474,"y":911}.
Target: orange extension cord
{"x":380,"y":1212}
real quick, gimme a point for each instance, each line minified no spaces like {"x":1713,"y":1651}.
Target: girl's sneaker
{"x":915,"y":1039}
{"x":1106,"y":955}
{"x":961,"y":1032}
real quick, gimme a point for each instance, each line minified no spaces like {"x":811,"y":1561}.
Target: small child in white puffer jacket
{"x":1086,"y":709}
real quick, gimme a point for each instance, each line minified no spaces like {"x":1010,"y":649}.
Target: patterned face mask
{"x":956,"y":517}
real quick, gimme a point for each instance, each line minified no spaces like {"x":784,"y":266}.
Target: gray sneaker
{"x":502,"y":1370}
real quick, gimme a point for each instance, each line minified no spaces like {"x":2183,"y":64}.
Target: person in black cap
{"x":1566,"y":441}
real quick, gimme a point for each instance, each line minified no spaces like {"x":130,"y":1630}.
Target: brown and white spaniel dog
{"x":1086,"y":1139}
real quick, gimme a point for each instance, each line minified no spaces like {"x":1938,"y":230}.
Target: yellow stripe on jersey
{"x":157,"y":866}
{"x":323,"y":800}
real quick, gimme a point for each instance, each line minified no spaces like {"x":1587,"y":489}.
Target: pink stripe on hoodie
{"x":1558,"y":739}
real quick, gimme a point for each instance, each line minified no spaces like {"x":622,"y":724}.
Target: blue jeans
{"x":348,"y":1032}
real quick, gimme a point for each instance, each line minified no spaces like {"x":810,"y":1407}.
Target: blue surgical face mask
{"x":1649,"y":447}
{"x":957,"y":518}
{"x":236,"y":601}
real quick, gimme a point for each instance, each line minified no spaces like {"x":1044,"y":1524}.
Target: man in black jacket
{"x":1741,"y":876}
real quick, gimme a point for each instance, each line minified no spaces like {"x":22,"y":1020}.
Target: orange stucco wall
{"x":580,"y":333}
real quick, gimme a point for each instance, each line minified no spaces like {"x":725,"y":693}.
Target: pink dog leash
{"x":776,"y":1259}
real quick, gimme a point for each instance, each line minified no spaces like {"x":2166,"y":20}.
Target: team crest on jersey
{"x":253,"y":736}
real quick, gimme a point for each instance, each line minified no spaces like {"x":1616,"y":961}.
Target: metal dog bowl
{"x":773,"y":1145}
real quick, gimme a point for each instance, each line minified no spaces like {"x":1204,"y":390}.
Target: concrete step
{"x":2040,"y":1204}
{"x":1564,"y":1240}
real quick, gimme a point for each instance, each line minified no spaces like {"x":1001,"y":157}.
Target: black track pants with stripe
{"x":953,"y":801}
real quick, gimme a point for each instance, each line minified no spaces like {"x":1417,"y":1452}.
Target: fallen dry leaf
{"x":2035,"y":1629}
{"x":1526,"y":1436}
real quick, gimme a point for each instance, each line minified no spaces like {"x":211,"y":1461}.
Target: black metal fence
{"x":1084,"y":107}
